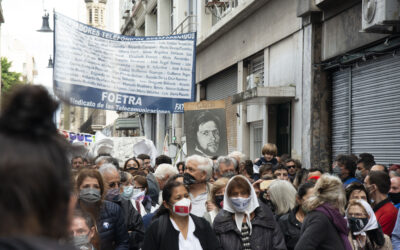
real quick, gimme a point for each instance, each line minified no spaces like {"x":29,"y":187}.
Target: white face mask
{"x":240,"y":204}
{"x":138,"y":194}
{"x":182,"y":207}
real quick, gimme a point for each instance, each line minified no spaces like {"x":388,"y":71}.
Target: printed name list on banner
{"x":99,"y":69}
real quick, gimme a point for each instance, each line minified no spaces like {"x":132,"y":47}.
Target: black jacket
{"x":133,"y":221}
{"x":318,"y":232}
{"x":266,"y":234}
{"x":290,"y":227}
{"x":162,"y":235}
{"x":112,"y":228}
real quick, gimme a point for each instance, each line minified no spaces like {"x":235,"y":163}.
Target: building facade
{"x":275,"y":63}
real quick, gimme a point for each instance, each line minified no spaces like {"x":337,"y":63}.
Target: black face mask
{"x":357,"y":224}
{"x":394,"y":197}
{"x":188,"y":179}
{"x":218,"y":200}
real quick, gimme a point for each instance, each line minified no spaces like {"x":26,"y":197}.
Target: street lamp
{"x":45,"y":23}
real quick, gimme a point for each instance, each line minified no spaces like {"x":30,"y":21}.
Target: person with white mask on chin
{"x":174,"y":227}
{"x":245,"y":223}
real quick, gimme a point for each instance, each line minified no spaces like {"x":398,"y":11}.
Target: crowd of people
{"x":49,"y":201}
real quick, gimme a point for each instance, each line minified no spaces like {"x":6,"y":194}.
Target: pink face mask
{"x":182,"y":207}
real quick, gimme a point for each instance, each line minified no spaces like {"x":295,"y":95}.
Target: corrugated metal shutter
{"x":222,"y":85}
{"x":376,"y":109}
{"x":374,"y":87}
{"x":340,"y":112}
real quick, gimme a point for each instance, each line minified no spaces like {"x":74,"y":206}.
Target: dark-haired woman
{"x":110,"y":220}
{"x":244,"y":223}
{"x":291,"y":222}
{"x":174,"y":227}
{"x":35,"y":187}
{"x":132,"y":166}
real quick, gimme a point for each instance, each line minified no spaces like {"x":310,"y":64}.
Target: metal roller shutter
{"x":376,"y":109}
{"x":340,"y":112}
{"x":366,"y":105}
{"x":222,"y":85}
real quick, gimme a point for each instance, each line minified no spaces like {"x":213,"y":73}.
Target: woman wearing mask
{"x":174,"y":227}
{"x":365,"y":230}
{"x":244,"y":223}
{"x":83,"y":231}
{"x":216,"y":199}
{"x":324,"y":226}
{"x":291,"y":222}
{"x":131,"y":166}
{"x":140,"y":198}
{"x":108,"y":215}
{"x":283,"y":197}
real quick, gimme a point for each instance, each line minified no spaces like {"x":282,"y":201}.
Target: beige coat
{"x":387,"y":246}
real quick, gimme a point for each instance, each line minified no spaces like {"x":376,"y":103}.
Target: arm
{"x":135,"y":228}
{"x":396,"y":233}
{"x":120,"y":231}
{"x":312,"y":226}
{"x":150,"y":241}
{"x":278,"y":241}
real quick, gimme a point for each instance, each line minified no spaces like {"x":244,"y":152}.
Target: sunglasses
{"x":114,"y":184}
{"x":291,"y":166}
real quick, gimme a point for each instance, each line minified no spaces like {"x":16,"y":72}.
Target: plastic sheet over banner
{"x":99,"y":69}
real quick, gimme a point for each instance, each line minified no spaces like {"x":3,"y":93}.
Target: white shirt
{"x":191,"y":242}
{"x":199,"y":204}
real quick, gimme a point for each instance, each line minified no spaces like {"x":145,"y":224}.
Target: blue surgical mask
{"x":127,"y":192}
{"x":240,"y":204}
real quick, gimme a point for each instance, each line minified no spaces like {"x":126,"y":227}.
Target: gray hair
{"x":164,"y":170}
{"x":204,"y":164}
{"x":107,"y":159}
{"x":283,"y":196}
{"x":237,"y":154}
{"x":107,"y":168}
{"x":227,"y":161}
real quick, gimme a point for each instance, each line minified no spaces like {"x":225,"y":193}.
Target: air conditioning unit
{"x":380,"y":16}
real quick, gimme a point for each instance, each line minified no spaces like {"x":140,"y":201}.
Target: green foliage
{"x":8,"y":78}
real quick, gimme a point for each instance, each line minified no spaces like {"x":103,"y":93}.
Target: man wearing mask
{"x":133,"y":220}
{"x":197,"y":173}
{"x":346,"y":169}
{"x":377,"y":184}
{"x":364,"y":165}
{"x":226,"y":167}
{"x":394,"y":193}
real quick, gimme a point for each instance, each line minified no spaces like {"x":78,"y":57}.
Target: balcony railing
{"x":189,"y":24}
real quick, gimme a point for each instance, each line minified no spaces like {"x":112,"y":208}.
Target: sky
{"x":20,"y":40}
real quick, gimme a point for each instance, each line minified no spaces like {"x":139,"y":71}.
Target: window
{"x":255,"y":77}
{"x":256,"y":139}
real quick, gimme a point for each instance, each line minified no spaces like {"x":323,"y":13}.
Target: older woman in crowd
{"x":244,"y":223}
{"x":216,"y":199}
{"x":283,"y":196}
{"x":366,"y":232}
{"x":325,"y":226}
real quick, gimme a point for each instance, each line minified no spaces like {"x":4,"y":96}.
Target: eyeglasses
{"x":114,"y":184}
{"x":291,"y":166}
{"x":356,"y":215}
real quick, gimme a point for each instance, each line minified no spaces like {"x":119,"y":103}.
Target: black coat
{"x":162,"y":235}
{"x":133,"y":221}
{"x":318,"y":232}
{"x":32,"y":243}
{"x":266,"y":233}
{"x":291,"y":228}
{"x":111,"y":227}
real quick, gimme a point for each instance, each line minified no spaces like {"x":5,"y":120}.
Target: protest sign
{"x":103,"y":70}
